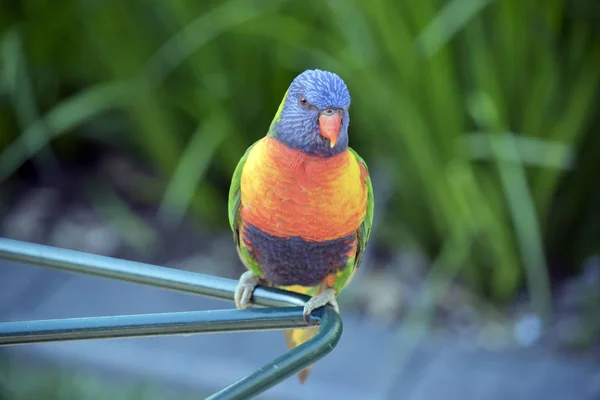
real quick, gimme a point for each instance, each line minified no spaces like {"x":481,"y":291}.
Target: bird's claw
{"x":244,"y":289}
{"x":326,"y":297}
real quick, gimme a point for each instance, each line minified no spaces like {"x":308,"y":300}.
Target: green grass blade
{"x":191,"y":168}
{"x":64,"y":117}
{"x":527,"y":228}
{"x":201,"y":31}
{"x":447,"y":23}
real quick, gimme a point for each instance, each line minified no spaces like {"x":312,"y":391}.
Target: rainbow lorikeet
{"x":301,"y":200}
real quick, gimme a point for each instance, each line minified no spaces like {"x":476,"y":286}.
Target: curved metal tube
{"x":288,"y":364}
{"x":183,"y":323}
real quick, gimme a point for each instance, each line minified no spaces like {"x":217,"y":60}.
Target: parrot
{"x":301,"y":201}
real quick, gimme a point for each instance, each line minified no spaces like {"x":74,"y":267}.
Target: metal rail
{"x":124,"y":326}
{"x":146,"y":274}
{"x":183,"y":323}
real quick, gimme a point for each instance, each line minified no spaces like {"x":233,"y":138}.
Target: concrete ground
{"x":367,"y":364}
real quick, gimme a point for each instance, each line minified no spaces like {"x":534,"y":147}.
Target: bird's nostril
{"x":331,"y":111}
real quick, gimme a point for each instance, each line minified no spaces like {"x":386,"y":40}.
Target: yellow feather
{"x":295,"y":337}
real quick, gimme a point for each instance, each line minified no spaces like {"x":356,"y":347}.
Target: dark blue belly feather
{"x":295,"y":261}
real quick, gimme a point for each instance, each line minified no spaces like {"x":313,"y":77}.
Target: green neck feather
{"x":277,"y":117}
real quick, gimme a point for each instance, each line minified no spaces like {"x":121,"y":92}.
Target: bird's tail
{"x":295,"y":337}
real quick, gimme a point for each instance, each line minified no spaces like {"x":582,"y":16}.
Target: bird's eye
{"x":303,"y":101}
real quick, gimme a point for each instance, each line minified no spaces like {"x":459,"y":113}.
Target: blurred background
{"x":121,"y":123}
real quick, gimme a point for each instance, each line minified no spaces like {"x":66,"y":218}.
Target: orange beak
{"x":329,"y":125}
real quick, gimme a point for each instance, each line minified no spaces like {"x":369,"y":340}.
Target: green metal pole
{"x":147,"y":274}
{"x":176,"y":323}
{"x":288,"y":364}
{"x":179,"y":323}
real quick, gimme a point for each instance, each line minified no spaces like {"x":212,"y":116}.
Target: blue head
{"x":313,"y":116}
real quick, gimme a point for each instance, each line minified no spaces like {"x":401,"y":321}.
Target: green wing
{"x":235,"y":197}
{"x":234,"y":202}
{"x":364,"y":231}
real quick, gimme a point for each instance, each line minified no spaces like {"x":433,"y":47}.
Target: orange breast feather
{"x":285,"y":192}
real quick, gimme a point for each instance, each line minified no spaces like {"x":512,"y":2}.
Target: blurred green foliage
{"x":478,"y":115}
{"x":19,"y":380}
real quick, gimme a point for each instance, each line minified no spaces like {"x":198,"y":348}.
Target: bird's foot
{"x":326,"y":297}
{"x":245,"y":287}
